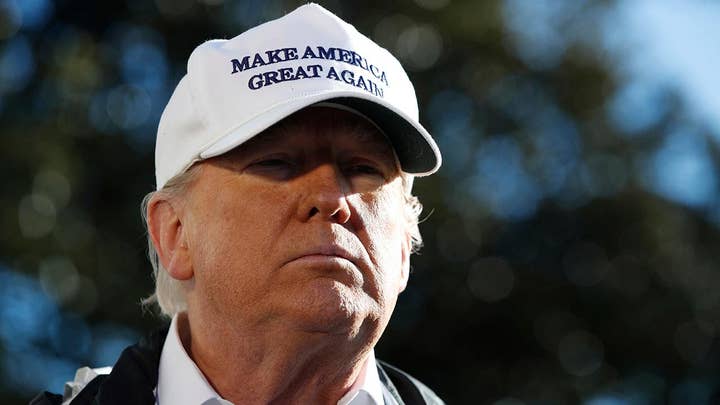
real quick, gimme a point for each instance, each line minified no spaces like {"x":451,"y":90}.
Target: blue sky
{"x":674,"y":43}
{"x":654,"y":48}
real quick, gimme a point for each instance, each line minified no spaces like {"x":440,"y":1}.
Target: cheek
{"x":386,"y":234}
{"x":241,"y":217}
{"x":233,"y":239}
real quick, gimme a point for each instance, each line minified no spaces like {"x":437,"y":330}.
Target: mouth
{"x":329,"y":261}
{"x":326,"y":253}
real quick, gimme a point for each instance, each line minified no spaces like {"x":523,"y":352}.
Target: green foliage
{"x":551,"y":273}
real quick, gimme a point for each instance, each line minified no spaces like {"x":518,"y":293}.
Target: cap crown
{"x":236,"y":88}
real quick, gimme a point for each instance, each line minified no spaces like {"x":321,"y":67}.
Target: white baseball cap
{"x":234,"y":89}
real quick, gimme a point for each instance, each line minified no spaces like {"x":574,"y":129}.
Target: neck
{"x":277,"y":366}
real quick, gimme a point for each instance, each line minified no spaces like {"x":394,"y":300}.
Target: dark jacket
{"x":134,"y":377}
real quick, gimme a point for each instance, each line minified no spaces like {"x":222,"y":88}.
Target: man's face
{"x":303,"y":226}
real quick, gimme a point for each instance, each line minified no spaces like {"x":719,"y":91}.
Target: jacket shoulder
{"x":85,"y":396}
{"x":407,"y":387}
{"x":131,"y":381}
{"x":47,"y":398}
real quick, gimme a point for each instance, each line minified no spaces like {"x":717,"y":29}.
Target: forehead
{"x":324,"y":124}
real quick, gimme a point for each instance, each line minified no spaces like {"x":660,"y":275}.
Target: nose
{"x":324,"y":195}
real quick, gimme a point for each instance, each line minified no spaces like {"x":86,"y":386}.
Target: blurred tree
{"x":571,"y":236}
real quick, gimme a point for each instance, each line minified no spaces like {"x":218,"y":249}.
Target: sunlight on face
{"x":303,"y":225}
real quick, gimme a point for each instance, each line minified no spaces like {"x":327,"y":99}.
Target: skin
{"x":293,"y":248}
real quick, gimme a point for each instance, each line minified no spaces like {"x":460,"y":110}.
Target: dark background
{"x":571,"y":237}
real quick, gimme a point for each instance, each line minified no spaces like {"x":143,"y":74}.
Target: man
{"x":282,"y":225}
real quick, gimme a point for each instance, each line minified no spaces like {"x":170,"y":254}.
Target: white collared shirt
{"x":180,"y":381}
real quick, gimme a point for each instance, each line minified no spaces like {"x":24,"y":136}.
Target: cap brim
{"x":417,"y":152}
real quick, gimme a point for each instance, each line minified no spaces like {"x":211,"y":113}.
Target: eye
{"x":364,"y":169}
{"x":279,"y":167}
{"x":270,"y":163}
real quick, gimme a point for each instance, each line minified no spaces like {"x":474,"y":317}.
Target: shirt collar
{"x":180,"y":381}
{"x":370,"y":391}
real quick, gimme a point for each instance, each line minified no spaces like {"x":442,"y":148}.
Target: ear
{"x":166,"y":230}
{"x":405,"y":265}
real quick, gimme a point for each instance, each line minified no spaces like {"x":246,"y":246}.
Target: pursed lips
{"x":342,"y":264}
{"x":329,"y":251}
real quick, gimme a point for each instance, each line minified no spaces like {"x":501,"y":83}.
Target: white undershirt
{"x":180,"y":381}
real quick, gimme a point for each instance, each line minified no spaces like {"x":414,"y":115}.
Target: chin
{"x":334,"y":308}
